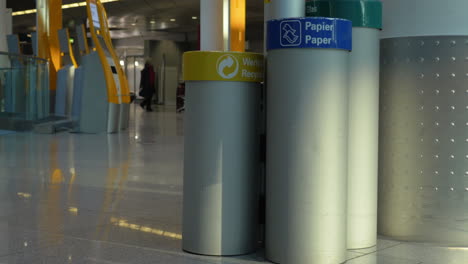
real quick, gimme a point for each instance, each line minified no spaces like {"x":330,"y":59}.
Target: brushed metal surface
{"x":113,"y":118}
{"x":423,"y":181}
{"x":221,"y":168}
{"x":124,"y":116}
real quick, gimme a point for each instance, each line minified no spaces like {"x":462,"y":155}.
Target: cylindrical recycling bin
{"x":366,"y":16}
{"x":363,"y":154}
{"x":221,"y":171}
{"x":307,"y":130}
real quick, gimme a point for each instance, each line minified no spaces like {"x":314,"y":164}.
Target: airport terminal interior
{"x":233,"y":131}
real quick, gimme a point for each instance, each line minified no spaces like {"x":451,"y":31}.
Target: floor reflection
{"x":78,"y":198}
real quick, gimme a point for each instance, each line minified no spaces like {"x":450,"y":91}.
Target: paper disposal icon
{"x":291,"y":33}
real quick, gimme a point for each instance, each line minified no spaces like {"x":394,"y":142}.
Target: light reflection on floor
{"x":73,"y":198}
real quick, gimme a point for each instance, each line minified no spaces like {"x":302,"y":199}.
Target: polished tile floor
{"x":115,"y":199}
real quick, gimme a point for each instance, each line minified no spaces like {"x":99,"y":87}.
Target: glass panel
{"x":24,"y":88}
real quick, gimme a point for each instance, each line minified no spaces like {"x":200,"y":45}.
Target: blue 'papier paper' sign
{"x":310,"y":32}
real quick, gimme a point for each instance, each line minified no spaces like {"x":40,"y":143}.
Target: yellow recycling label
{"x":223,"y":66}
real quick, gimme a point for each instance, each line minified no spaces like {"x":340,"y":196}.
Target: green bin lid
{"x":319,"y":8}
{"x":363,"y":13}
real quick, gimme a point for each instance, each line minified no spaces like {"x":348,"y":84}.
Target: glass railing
{"x":24,"y":88}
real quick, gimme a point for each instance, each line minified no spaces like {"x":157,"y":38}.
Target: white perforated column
{"x":423,"y":177}
{"x":405,"y":18}
{"x":423,"y":184}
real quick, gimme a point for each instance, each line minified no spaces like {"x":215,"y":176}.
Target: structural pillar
{"x":222,"y":25}
{"x":214,"y":34}
{"x":267,"y":17}
{"x":5,"y":25}
{"x":286,"y":8}
{"x":237,"y":25}
{"x":49,"y":21}
{"x":3,"y":34}
{"x":5,"y":30}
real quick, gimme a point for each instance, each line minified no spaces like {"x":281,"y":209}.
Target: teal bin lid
{"x":319,"y":8}
{"x":363,"y":13}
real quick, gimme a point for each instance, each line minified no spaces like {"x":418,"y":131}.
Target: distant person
{"x":147,"y":86}
{"x":181,"y":97}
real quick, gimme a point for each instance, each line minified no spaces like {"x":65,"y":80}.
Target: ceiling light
{"x":153,"y":22}
{"x":133,"y":24}
{"x":66,"y":6}
{"x":137,"y":64}
{"x":24,"y":195}
{"x":173,"y":19}
{"x":194,"y":17}
{"x":73,"y":210}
